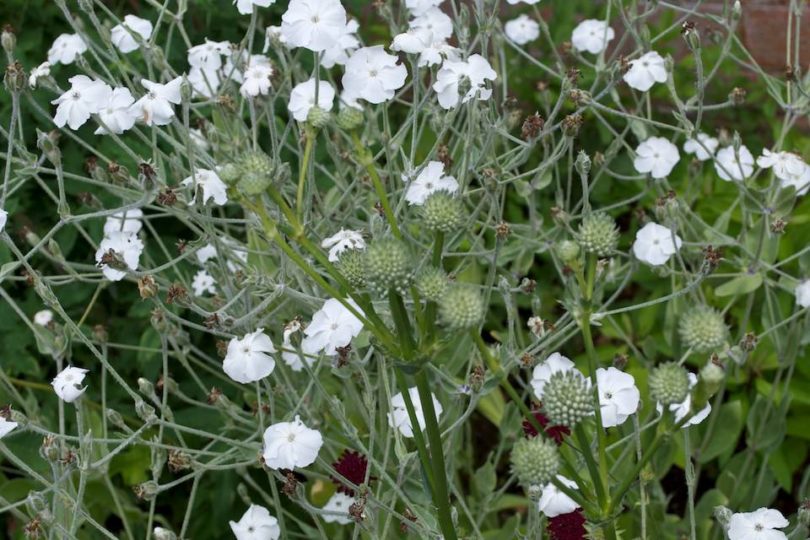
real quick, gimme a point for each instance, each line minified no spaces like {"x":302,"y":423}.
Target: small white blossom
{"x":245,"y":7}
{"x":6,"y":426}
{"x":256,"y":81}
{"x":248,"y":358}
{"x":272,"y":34}
{"x":332,"y":327}
{"x":703,"y":146}
{"x":436,"y":21}
{"x":3,"y":219}
{"x":211,"y":185}
{"x":399,"y":419}
{"x":554,"y":502}
{"x":340,"y":51}
{"x":203,"y":283}
{"x":43,"y":317}
{"x":122,"y":34}
{"x":373,"y":75}
{"x":205,"y":82}
{"x":420,"y":41}
{"x":543,"y":371}
{"x":645,"y":71}
{"x":788,"y":167}
{"x":124,"y":245}
{"x":85,"y":97}
{"x":680,"y":410}
{"x":126,"y":220}
{"x":656,"y":156}
{"x":256,"y":524}
{"x":66,"y":48}
{"x":803,"y":293}
{"x":206,"y":253}
{"x":155,"y":108}
{"x":654,"y":244}
{"x":732,"y":166}
{"x":68,"y":384}
{"x":761,"y":524}
{"x":522,"y":30}
{"x":288,"y":445}
{"x":341,"y":241}
{"x":115,"y":116}
{"x":302,"y":98}
{"x":418,"y":7}
{"x":42,"y":70}
{"x":592,"y":35}
{"x":430,"y":180}
{"x":316,"y":25}
{"x":336,"y":509}
{"x":291,"y":356}
{"x":208,"y":55}
{"x":619,"y":397}
{"x":475,"y":72}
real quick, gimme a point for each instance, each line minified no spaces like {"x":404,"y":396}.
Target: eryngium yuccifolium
{"x":442,"y":212}
{"x":535,"y":461}
{"x":230,"y":173}
{"x":432,"y":283}
{"x":567,"y":398}
{"x":461,"y":307}
{"x":349,"y":118}
{"x":598,"y":234}
{"x":256,"y":171}
{"x":702,"y":329}
{"x":669,"y":383}
{"x":352,"y":266}
{"x":318,"y":117}
{"x":387,"y":265}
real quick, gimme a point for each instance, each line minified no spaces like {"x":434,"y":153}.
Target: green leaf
{"x":727,"y":429}
{"x":492,"y":406}
{"x":766,"y":426}
{"x":485,"y":480}
{"x":745,"y":284}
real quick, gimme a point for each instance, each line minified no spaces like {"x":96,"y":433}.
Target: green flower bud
{"x":803,"y":514}
{"x":352,"y":266}
{"x":442,"y":212}
{"x":257,"y":172}
{"x":462,"y":307}
{"x":318,"y":117}
{"x":568,"y":251}
{"x":432,"y":283}
{"x":567,"y":398}
{"x":583,"y":163}
{"x":147,"y":490}
{"x":230,"y":173}
{"x":598,"y":234}
{"x":350,"y":118}
{"x":669,"y":383}
{"x":535,"y":461}
{"x":712,"y":375}
{"x":388,"y":265}
{"x":702,"y":329}
{"x":723,"y":516}
{"x":8,"y":39}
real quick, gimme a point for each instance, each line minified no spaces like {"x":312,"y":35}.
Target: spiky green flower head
{"x":702,"y":329}
{"x":432,"y":283}
{"x":567,"y":398}
{"x":318,"y":118}
{"x":598,"y":234}
{"x":388,"y":265}
{"x":230,"y":173}
{"x":442,"y":212}
{"x":535,"y":461}
{"x":462,"y":307}
{"x":349,"y":118}
{"x":352,"y":265}
{"x":256,"y":169}
{"x":669,"y":383}
{"x":568,"y":251}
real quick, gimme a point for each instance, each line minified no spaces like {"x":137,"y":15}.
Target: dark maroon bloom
{"x":555,"y":432}
{"x":569,"y":526}
{"x":352,"y":466}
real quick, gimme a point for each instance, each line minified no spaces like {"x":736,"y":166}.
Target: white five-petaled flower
{"x":418,"y":7}
{"x":341,"y":241}
{"x":731,"y":165}
{"x":42,"y":70}
{"x":373,"y":75}
{"x":125,"y":220}
{"x":66,"y":48}
{"x":655,"y":244}
{"x":68,"y":384}
{"x":703,"y":146}
{"x":256,"y":81}
{"x":115,"y":116}
{"x":211,"y":185}
{"x":203,"y":283}
{"x":208,"y":55}
{"x":420,"y":41}
{"x":316,"y":25}
{"x":788,"y":167}
{"x":592,"y":35}
{"x":656,"y":156}
{"x":302,"y":98}
{"x":125,"y":246}
{"x":205,"y":82}
{"x":3,"y":219}
{"x":332,"y":327}
{"x":248,"y":358}
{"x":645,"y":71}
{"x":429,"y":180}
{"x":399,"y":418}
{"x":43,"y":317}
{"x":530,"y":2}
{"x":206,"y":253}
{"x":288,"y":445}
{"x":155,"y":108}
{"x":680,"y":410}
{"x":522,"y":29}
{"x":475,"y":71}
{"x":761,"y":524}
{"x":346,"y":43}
{"x":291,"y":356}
{"x":245,"y":7}
{"x":435,"y":21}
{"x":554,"y":502}
{"x":336,"y":509}
{"x":542,"y":372}
{"x":85,"y":97}
{"x":123,"y":35}
{"x":6,"y":426}
{"x":618,"y":396}
{"x":803,"y":293}
{"x":256,"y":524}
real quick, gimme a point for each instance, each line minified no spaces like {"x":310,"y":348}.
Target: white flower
{"x":272,"y":34}
{"x":161,"y":533}
{"x":245,"y":7}
{"x":155,"y":108}
{"x":313,"y":24}
{"x":332,"y":326}
{"x":124,"y":245}
{"x":248,"y":359}
{"x":646,"y":71}
{"x":336,"y":509}
{"x":703,"y":146}
{"x":554,"y":502}
{"x":543,"y":371}
{"x":418,"y":7}
{"x":43,"y":317}
{"x":256,"y":524}
{"x":85,"y":97}
{"x":430,"y":180}
{"x":436,"y":21}
{"x":42,"y":70}
{"x":522,"y":30}
{"x":302,"y":98}
{"x":291,"y":444}
{"x":6,"y":426}
{"x":732,"y":166}
{"x":760,"y":524}
{"x":373,"y":74}
{"x":122,"y":34}
{"x":204,"y":82}
{"x":206,"y":253}
{"x":656,"y":156}
{"x":592,"y":35}
{"x":203,"y":283}
{"x":475,"y":71}
{"x":530,"y":2}
{"x":341,"y":241}
{"x":3,"y":219}
{"x":66,"y":48}
{"x":116,"y":116}
{"x":256,"y":81}
{"x":618,"y":396}
{"x":654,"y":244}
{"x":211,"y":184}
{"x":126,"y":220}
{"x":399,"y":419}
{"x":346,"y":43}
{"x":208,"y":55}
{"x":421,"y":41}
{"x":290,"y":356}
{"x":198,"y":138}
{"x":788,"y":167}
{"x":67,"y":384}
{"x":680,"y":410}
{"x":803,"y":293}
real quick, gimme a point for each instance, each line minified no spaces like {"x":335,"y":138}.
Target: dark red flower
{"x":569,"y":526}
{"x":352,"y":466}
{"x":555,"y":432}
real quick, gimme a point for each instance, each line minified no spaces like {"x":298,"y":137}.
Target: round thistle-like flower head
{"x":535,"y":461}
{"x":442,"y":212}
{"x":669,"y":383}
{"x":598,"y":234}
{"x":567,"y":398}
{"x":352,"y":266}
{"x":350,"y":118}
{"x":256,"y":170}
{"x":432,"y":283}
{"x":318,"y":117}
{"x":387,"y":265}
{"x":230,"y":173}
{"x":568,"y":250}
{"x":702,"y":329}
{"x":461,"y":307}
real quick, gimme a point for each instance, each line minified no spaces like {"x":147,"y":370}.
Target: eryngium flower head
{"x":318,"y":117}
{"x":432,"y":283}
{"x":350,"y":118}
{"x":702,"y":329}
{"x":352,"y":266}
{"x":669,"y":383}
{"x":598,"y":234}
{"x":388,"y":265}
{"x":462,"y":307}
{"x":256,"y":171}
{"x":442,"y":212}
{"x":567,"y":398}
{"x":535,"y":461}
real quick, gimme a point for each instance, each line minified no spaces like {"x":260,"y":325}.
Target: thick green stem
{"x":366,"y":159}
{"x":310,"y":135}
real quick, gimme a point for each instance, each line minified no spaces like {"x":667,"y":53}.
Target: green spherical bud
{"x":442,"y":212}
{"x":318,"y":117}
{"x":352,"y":266}
{"x":567,"y":398}
{"x":535,"y":461}
{"x":598,"y":234}
{"x":568,"y":251}
{"x":350,"y":118}
{"x":712,"y":376}
{"x":702,"y":329}
{"x":462,"y":307}
{"x":388,"y":265}
{"x":432,"y":283}
{"x":669,"y":383}
{"x":256,"y":170}
{"x":230,"y":173}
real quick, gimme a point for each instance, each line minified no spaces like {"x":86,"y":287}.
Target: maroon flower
{"x":555,"y":432}
{"x":569,"y":526}
{"x":352,"y":466}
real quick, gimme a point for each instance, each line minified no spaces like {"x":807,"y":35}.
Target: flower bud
{"x":146,"y":387}
{"x":145,"y":412}
{"x":702,"y":329}
{"x":443,"y":212}
{"x":349,"y":118}
{"x":186,"y":90}
{"x":669,"y":383}
{"x":147,"y":287}
{"x":567,"y":398}
{"x":159,"y":533}
{"x":9,"y":40}
{"x":582,"y":163}
{"x":230,"y":173}
{"x":146,"y":491}
{"x":535,"y":461}
{"x":571,"y":125}
{"x":736,"y":10}
{"x":388,"y":264}
{"x":598,"y":234}
{"x":462,"y":307}
{"x":48,"y":143}
{"x":256,"y":169}
{"x":115,"y":418}
{"x":318,"y":118}
{"x":352,"y":266}
{"x":432,"y":283}
{"x":568,"y":251}
{"x":723,"y":516}
{"x":15,"y":78}
{"x":712,"y":375}
{"x":691,"y":36}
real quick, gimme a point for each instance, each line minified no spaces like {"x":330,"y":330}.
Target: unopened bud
{"x":568,"y":251}
{"x":146,"y":387}
{"x":690,"y":35}
{"x":146,"y":491}
{"x":160,"y":533}
{"x":583,"y":163}
{"x":115,"y":418}
{"x":48,"y":143}
{"x":15,"y":78}
{"x":147,"y":287}
{"x":145,"y":412}
{"x":9,"y":40}
{"x":722,"y":515}
{"x":349,"y":118}
{"x":736,"y":10}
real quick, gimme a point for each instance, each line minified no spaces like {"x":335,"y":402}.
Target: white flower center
{"x":372,"y":73}
{"x":315,"y":19}
{"x":291,"y":437}
{"x":334,"y":326}
{"x":76,"y":96}
{"x":758,"y":527}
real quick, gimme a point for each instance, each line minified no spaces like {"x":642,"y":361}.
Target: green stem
{"x":590,"y":462}
{"x":310,"y":135}
{"x":366,"y":159}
